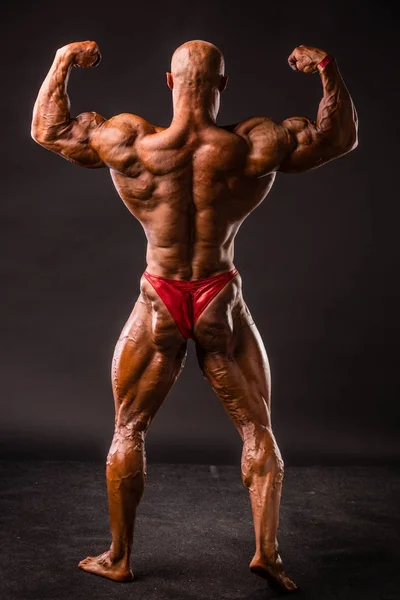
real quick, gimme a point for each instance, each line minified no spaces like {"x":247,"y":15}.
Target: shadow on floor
{"x":194,"y":538}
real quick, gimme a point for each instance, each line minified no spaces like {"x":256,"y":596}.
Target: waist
{"x":186,"y":271}
{"x":193,"y":282}
{"x":189,"y":263}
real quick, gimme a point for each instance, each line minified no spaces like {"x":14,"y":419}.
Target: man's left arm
{"x":52,"y":125}
{"x":300,"y":144}
{"x":334,"y":131}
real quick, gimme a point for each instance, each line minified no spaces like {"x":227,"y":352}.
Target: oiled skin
{"x":191,"y":185}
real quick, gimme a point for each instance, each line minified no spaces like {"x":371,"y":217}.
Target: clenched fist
{"x":82,"y":54}
{"x":306,"y":59}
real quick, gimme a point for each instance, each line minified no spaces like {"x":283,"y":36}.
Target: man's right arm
{"x":300,"y":144}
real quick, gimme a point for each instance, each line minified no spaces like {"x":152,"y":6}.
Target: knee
{"x":261,"y":458}
{"x":130,"y":432}
{"x":132,"y":425}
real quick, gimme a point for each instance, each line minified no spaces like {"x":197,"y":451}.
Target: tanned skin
{"x":191,"y":185}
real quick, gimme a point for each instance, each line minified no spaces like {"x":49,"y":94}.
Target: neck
{"x":195,"y":106}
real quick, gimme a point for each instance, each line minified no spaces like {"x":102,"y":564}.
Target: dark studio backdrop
{"x":319,"y":258}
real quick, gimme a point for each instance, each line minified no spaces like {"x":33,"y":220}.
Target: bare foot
{"x":273,"y":572}
{"x":104,"y":566}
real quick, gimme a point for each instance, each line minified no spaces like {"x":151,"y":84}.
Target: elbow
{"x":47,"y":135}
{"x":346,"y":144}
{"x":351,"y":142}
{"x":37,"y":134}
{"x":40,"y":132}
{"x":355,"y":142}
{"x":351,"y":139}
{"x":35,"y":127}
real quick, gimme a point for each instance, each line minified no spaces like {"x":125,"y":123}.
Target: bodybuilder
{"x":191,"y":185}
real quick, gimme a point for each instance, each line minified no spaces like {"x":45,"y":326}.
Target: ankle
{"x":269,"y":552}
{"x":119,"y":554}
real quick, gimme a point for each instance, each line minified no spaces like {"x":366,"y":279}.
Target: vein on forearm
{"x":52,"y":108}
{"x":336,"y":108}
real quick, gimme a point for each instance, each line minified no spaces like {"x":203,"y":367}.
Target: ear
{"x":170,"y":81}
{"x":223,"y":83}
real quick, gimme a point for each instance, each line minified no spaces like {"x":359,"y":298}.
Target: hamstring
{"x":216,"y":327}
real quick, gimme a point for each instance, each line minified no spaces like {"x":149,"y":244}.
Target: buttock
{"x":187,"y":300}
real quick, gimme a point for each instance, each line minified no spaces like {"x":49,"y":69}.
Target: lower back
{"x":179,"y":261}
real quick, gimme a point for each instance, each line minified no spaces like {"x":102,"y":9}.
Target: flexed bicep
{"x":334,"y":131}
{"x":74,"y":140}
{"x":300,"y":144}
{"x":308,"y":149}
{"x":52,"y":125}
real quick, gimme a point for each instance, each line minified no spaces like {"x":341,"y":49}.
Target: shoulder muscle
{"x":115,"y":139}
{"x":123,"y":128}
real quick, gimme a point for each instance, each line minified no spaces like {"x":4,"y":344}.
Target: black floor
{"x":339,"y":534}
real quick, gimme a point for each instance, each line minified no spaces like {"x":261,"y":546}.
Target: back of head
{"x":197,"y":64}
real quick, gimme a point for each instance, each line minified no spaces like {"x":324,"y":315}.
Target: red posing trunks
{"x":186,"y":300}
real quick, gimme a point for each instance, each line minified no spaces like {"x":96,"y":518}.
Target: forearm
{"x":337,"y":118}
{"x":52,"y":106}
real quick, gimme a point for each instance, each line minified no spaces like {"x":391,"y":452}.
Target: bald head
{"x":198,"y":64}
